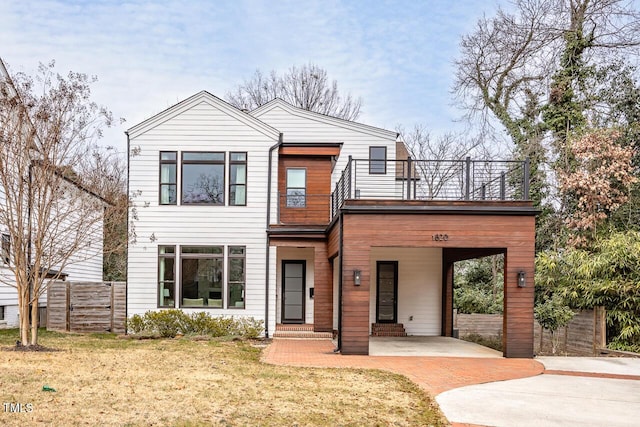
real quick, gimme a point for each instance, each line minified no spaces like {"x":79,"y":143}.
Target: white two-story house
{"x":295,"y":217}
{"x":85,"y":263}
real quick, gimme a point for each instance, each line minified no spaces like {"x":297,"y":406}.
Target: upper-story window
{"x":296,"y":187}
{"x":168,"y":177}
{"x":203,"y":178}
{"x":377,"y":160}
{"x":6,"y":248}
{"x":237,"y":179}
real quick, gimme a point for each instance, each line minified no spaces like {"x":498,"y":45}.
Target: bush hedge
{"x":169,"y":323}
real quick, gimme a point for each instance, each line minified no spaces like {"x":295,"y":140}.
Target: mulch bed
{"x":30,"y":348}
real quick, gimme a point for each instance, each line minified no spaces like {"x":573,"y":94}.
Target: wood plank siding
{"x":514,"y":233}
{"x":318,"y":190}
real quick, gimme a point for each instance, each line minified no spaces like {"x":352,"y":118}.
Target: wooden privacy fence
{"x":585,"y":335}
{"x":86,"y":306}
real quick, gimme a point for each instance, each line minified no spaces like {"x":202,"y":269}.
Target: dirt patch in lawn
{"x":183,"y":382}
{"x":36,"y":347}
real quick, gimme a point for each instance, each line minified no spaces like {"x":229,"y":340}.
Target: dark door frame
{"x":395,"y":291}
{"x":304,"y":290}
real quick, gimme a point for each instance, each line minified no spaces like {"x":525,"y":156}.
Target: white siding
{"x":272,"y":289}
{"x":11,"y":318}
{"x":419,"y":287}
{"x":83,"y":265}
{"x":302,"y":127}
{"x":306,"y":254}
{"x":205,"y":126}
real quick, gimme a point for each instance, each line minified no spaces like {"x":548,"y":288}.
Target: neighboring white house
{"x":83,"y":265}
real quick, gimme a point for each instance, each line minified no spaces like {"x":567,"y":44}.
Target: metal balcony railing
{"x":299,"y":208}
{"x":473,"y":180}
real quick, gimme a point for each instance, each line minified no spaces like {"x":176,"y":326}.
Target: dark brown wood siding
{"x":333,"y":241}
{"x":514,"y":233}
{"x":318,"y":190}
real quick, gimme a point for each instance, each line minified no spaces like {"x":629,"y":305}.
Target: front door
{"x":293,"y":288}
{"x":387,"y":290}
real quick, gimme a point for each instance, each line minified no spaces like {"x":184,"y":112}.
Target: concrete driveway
{"x":573,"y":391}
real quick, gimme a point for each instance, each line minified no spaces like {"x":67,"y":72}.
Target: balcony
{"x":303,"y":209}
{"x":432,"y":180}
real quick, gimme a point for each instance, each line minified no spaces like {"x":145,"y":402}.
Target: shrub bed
{"x":169,"y":323}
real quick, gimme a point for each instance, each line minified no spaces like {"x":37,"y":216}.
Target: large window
{"x":166,"y":276}
{"x":6,"y":248}
{"x":168,"y":177}
{"x":237,"y":179}
{"x":377,"y":160}
{"x":202,"y":276}
{"x":203,"y":178}
{"x":236,"y":276}
{"x":296,"y":188}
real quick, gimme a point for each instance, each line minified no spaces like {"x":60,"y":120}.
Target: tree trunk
{"x":23,"y":309}
{"x":34,"y":323}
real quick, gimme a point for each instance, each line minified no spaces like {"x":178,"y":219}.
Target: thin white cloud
{"x":149,"y":55}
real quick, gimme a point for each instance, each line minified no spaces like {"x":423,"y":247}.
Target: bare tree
{"x":307,"y":87}
{"x":105,"y":173}
{"x":505,"y":63}
{"x":51,"y":218}
{"x":439,"y":165}
{"x":530,"y":70}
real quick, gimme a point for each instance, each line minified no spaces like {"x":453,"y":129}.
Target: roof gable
{"x":198,"y":98}
{"x":4,"y":75}
{"x":334,"y":121}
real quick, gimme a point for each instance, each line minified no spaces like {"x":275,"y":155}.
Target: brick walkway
{"x":433,"y":374}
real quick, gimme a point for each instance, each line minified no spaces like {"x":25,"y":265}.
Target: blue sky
{"x":148,"y":55}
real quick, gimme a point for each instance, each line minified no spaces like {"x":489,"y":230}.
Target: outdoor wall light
{"x":521,"y":279}
{"x":357,"y":277}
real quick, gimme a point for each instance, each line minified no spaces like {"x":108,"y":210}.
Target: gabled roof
{"x":311,"y":115}
{"x":203,"y":96}
{"x":3,"y":71}
{"x":4,"y":74}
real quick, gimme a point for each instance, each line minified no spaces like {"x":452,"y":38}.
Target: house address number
{"x":440,"y":237}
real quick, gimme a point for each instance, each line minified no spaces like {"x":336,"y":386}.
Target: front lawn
{"x":105,"y":380}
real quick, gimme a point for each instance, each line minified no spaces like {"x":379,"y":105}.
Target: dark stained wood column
{"x":517,"y":337}
{"x":355,"y":299}
{"x":323,"y":292}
